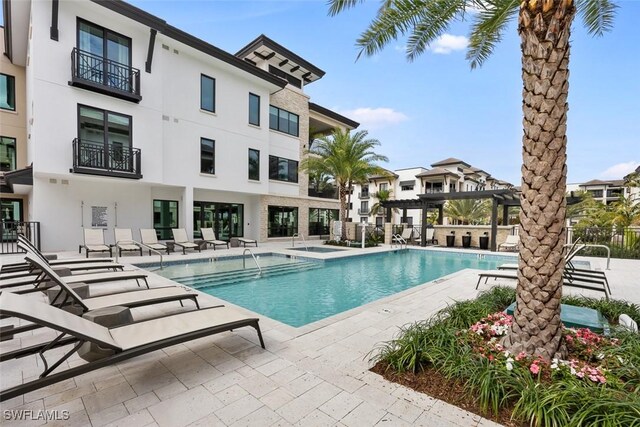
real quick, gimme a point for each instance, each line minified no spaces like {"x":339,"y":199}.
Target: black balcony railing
{"x":9,"y":231}
{"x":104,"y":75}
{"x":363,"y":195}
{"x":95,"y":158}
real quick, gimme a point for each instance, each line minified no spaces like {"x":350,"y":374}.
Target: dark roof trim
{"x":20,"y":176}
{"x":450,"y":161}
{"x":145,"y":18}
{"x":276,"y":47}
{"x":6,"y":13}
{"x":332,"y":114}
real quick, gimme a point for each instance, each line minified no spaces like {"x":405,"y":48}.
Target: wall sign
{"x":99,"y":216}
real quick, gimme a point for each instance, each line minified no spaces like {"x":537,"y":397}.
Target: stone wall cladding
{"x":296,"y":102}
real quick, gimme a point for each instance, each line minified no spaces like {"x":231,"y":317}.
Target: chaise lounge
{"x":511,"y":243}
{"x":125,"y":242}
{"x":209,"y":237}
{"x":246,"y":242}
{"x":150,"y":240}
{"x":180,"y":239}
{"x":125,"y":342}
{"x":94,"y":241}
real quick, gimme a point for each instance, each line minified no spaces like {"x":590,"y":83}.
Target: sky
{"x":436,"y":106}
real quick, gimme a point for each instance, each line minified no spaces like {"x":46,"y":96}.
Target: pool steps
{"x":230,"y":277}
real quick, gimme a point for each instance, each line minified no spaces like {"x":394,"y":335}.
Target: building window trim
{"x":256,"y":120}
{"x":211,"y":170}
{"x":11,"y":93}
{"x":274,"y":173}
{"x":8,"y":142}
{"x":255,"y":176}
{"x":283,"y":116}
{"x":165,"y":232}
{"x":213,"y":94}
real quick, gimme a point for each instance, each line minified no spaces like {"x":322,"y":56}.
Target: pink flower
{"x":534,"y":368}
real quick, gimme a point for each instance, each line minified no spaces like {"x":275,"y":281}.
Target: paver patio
{"x":315,"y":375}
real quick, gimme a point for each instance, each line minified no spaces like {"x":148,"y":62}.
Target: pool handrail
{"x":293,"y":241}
{"x":589,"y":245}
{"x":244,"y":264}
{"x":396,"y":238}
{"x":142,"y":245}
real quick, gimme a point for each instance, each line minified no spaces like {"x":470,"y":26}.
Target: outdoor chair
{"x":511,"y":243}
{"x":430,"y":234}
{"x":94,"y":241}
{"x":180,"y":239}
{"x":209,"y":237}
{"x":149,"y":239}
{"x":246,"y":242}
{"x":125,"y":242}
{"x":119,"y":343}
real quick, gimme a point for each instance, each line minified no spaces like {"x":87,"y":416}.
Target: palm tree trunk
{"x":544,"y":28}
{"x":342,"y":192}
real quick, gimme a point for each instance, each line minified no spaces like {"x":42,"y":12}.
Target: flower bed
{"x":598,"y":383}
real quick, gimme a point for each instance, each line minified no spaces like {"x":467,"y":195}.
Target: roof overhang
{"x":16,"y":30}
{"x":19,"y":179}
{"x":332,"y":116}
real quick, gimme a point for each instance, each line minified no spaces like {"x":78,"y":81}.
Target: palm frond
{"x":597,"y":15}
{"x":337,"y":6}
{"x":488,"y":27}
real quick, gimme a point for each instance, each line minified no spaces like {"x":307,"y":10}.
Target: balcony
{"x":96,"y":158}
{"x":363,"y":195}
{"x":363,"y":211}
{"x":100,"y":74}
{"x":612,"y":194}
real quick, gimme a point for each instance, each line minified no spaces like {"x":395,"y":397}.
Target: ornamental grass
{"x":598,"y":383}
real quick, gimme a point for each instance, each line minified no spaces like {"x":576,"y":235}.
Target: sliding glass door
{"x":226,"y":219}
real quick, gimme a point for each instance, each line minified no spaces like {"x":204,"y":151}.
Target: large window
{"x":283,"y":121}
{"x":105,"y":56}
{"x":7,"y":154}
{"x":207,"y":156}
{"x":207,"y":93}
{"x":226,"y":219}
{"x":283,"y":221}
{"x":254,"y":164}
{"x":7,"y":92}
{"x":282,"y":169}
{"x":320,"y":220}
{"x":101,"y":131}
{"x":165,"y":217}
{"x":254,"y":109}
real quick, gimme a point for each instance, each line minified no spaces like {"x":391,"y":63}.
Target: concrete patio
{"x":316,"y":375}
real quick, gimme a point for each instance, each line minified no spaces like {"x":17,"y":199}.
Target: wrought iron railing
{"x":363,"y":211}
{"x":623,"y":242}
{"x":9,"y":231}
{"x":105,"y":72}
{"x":111,"y":158}
{"x":363,"y":195}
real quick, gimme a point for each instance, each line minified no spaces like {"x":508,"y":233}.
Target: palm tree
{"x":626,"y":212}
{"x":347,"y":158}
{"x":468,"y":211}
{"x":382,"y":196}
{"x":544,"y":27}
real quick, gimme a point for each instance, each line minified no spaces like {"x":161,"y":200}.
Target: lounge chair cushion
{"x":131,"y":298}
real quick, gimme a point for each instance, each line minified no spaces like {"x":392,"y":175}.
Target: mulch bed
{"x":430,"y":382}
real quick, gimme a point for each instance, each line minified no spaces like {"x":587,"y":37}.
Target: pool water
{"x":308,"y":296}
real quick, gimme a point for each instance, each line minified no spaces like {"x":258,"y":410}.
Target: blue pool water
{"x":307,"y":296}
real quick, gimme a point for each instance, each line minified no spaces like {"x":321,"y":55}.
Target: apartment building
{"x":605,"y":191}
{"x":134,"y":123}
{"x":445,"y":176}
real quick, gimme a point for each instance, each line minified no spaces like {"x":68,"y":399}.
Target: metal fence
{"x":9,"y":231}
{"x":623,"y":242}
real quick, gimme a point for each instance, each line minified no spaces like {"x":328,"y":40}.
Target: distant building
{"x":604,"y":191}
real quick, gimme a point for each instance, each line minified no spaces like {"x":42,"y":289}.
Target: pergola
{"x":503,"y":197}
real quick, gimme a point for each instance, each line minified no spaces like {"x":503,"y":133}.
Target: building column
{"x":186,"y":212}
{"x":440,"y":214}
{"x":423,"y":227}
{"x":494,"y":225}
{"x":388,"y":215}
{"x":404,"y":216}
{"x":505,"y":214}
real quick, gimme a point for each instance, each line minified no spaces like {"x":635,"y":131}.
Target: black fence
{"x":9,"y":231}
{"x":623,"y":242}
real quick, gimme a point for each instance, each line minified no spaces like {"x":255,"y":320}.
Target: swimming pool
{"x":309,"y":295}
{"x":318,"y":249}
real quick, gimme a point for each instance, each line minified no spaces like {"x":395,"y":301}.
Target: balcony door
{"x":105,"y":56}
{"x":104,"y":139}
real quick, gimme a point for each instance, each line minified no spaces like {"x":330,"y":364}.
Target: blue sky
{"x":436,"y":107}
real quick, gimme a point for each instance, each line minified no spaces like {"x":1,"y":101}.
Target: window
{"x":254,"y":164}
{"x":11,"y":212}
{"x":207,"y":156}
{"x":283,"y":121}
{"x":364,"y":206}
{"x":364,"y":219}
{"x":7,"y":154}
{"x":283,"y":169}
{"x":207,"y":93}
{"x":226,"y":219}
{"x":101,"y":131}
{"x":104,"y":57}
{"x":283,"y":221}
{"x":365,"y":191}
{"x":406,"y":187}
{"x":254,"y":109}
{"x":165,"y":217}
{"x":384,"y":187}
{"x":7,"y":92}
{"x":320,"y":220}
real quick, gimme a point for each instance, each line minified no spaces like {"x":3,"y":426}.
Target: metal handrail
{"x":293,"y":240}
{"x":244,"y":265}
{"x":396,"y":238}
{"x":142,"y":245}
{"x":589,"y":245}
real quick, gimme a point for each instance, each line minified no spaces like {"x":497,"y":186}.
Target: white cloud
{"x":447,"y":43}
{"x":619,"y":170}
{"x":375,"y":118}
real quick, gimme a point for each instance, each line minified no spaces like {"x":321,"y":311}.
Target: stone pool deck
{"x":316,"y":375}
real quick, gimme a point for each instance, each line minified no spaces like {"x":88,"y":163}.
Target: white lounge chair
{"x":94,"y":241}
{"x":511,"y":243}
{"x":124,"y":341}
{"x":149,"y":238}
{"x":430,"y":234}
{"x":124,"y":241}
{"x":180,"y":239}
{"x":209,"y":237}
{"x":245,"y":241}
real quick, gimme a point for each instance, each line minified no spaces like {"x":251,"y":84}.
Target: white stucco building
{"x":129,"y":116}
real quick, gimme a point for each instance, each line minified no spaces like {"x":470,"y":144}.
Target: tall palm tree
{"x":468,"y":211}
{"x":382,"y":196}
{"x":544,"y":27}
{"x":345,"y":157}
